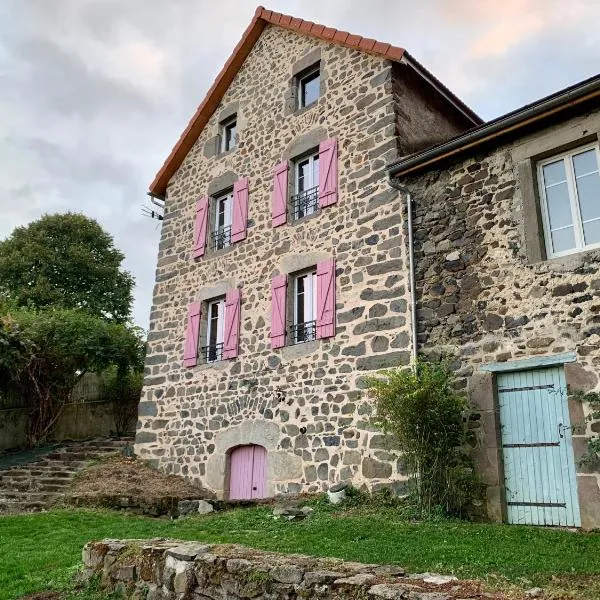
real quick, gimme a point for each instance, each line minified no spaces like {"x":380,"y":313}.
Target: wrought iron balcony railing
{"x":221,"y":238}
{"x":212,"y":353}
{"x":303,"y":332}
{"x":305,"y":203}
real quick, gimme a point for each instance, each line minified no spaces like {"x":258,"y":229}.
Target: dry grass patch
{"x":120,"y":476}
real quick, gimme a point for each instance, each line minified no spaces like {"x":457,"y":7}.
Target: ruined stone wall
{"x":171,"y":569}
{"x":480,"y":297}
{"x":302,"y":403}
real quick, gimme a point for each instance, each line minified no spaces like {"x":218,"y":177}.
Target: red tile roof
{"x":261,"y":19}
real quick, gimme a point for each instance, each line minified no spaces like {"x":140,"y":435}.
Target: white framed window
{"x":221,"y":233}
{"x":305,"y":200}
{"x":569,"y":187}
{"x":229,"y":134}
{"x":215,"y":330}
{"x":309,"y":87}
{"x":305,"y":307}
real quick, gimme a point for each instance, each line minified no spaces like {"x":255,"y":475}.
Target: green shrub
{"x":592,"y":457}
{"x":427,"y":420}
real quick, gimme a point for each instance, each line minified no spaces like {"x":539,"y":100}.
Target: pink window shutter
{"x":200,"y":227}
{"x":240,"y":210}
{"x":190,"y":349}
{"x":232,"y":323}
{"x":278,"y":297}
{"x":326,"y":298}
{"x":279,"y":201}
{"x":328,"y":172}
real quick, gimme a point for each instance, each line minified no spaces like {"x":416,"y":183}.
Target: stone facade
{"x":303,"y":403}
{"x":486,"y":294}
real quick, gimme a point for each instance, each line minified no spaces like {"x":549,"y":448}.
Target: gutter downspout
{"x":411,"y":269}
{"x":157,"y":200}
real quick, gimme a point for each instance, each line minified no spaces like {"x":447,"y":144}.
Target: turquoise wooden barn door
{"x":539,"y":467}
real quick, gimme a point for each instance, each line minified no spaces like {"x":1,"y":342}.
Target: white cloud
{"x":94,"y":93}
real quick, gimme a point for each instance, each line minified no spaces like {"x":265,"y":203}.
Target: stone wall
{"x":481,"y":297}
{"x":13,"y":428}
{"x":303,"y":403}
{"x":78,"y":421}
{"x":170,"y":569}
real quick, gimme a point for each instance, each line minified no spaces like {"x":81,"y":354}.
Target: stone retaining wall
{"x":79,"y":421}
{"x":169,"y":569}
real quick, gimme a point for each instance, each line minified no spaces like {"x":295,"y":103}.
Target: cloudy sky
{"x":94,"y":93}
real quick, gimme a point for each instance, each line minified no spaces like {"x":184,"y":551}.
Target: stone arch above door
{"x":259,"y":432}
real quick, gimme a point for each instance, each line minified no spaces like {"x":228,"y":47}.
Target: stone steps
{"x":41,"y":483}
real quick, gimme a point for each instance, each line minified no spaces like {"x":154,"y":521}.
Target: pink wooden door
{"x":248,"y":473}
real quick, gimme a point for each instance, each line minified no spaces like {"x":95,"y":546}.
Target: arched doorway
{"x":248,"y":473}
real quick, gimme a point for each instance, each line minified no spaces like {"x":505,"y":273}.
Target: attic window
{"x":309,"y":86}
{"x":229,"y":134}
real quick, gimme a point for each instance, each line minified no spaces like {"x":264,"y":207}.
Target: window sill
{"x":301,"y":220}
{"x":217,"y":365}
{"x":299,"y":350}
{"x":221,"y":252}
{"x":226,"y":153}
{"x":570,"y":262}
{"x":301,"y":111}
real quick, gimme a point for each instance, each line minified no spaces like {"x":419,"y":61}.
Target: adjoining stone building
{"x":281,"y":276}
{"x":507,"y":267}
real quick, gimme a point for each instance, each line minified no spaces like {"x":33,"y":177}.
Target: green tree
{"x":68,"y":261}
{"x":55,"y":348}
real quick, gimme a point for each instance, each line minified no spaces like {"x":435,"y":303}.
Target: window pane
{"x":231,"y":134}
{"x":310,"y":88}
{"x":591,"y":232}
{"x":554,"y":172}
{"x":220,"y":220}
{"x":213,"y":324}
{"x":308,"y":298}
{"x":559,"y":207}
{"x":588,"y":191}
{"x":228,"y":210}
{"x":315,"y":180}
{"x":563,"y":239}
{"x":300,"y":299}
{"x":303,"y":176}
{"x":585,"y":163}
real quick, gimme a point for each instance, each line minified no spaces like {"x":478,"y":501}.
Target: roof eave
{"x":499,"y":128}
{"x":214,"y":95}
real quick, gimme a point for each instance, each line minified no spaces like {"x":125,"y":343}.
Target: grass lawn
{"x":42,"y":551}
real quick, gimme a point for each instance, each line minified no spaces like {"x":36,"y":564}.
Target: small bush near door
{"x":592,"y":456}
{"x":427,"y":419}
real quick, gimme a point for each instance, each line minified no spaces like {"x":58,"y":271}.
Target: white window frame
{"x":311,"y":162}
{"x":313,"y":181}
{"x":227,"y":200}
{"x":567,"y":158}
{"x":302,"y":82}
{"x":220,"y":333}
{"x":228,"y":124}
{"x":309,"y":300}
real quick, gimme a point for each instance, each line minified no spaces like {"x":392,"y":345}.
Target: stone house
{"x":281,"y":276}
{"x":507,"y":272}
